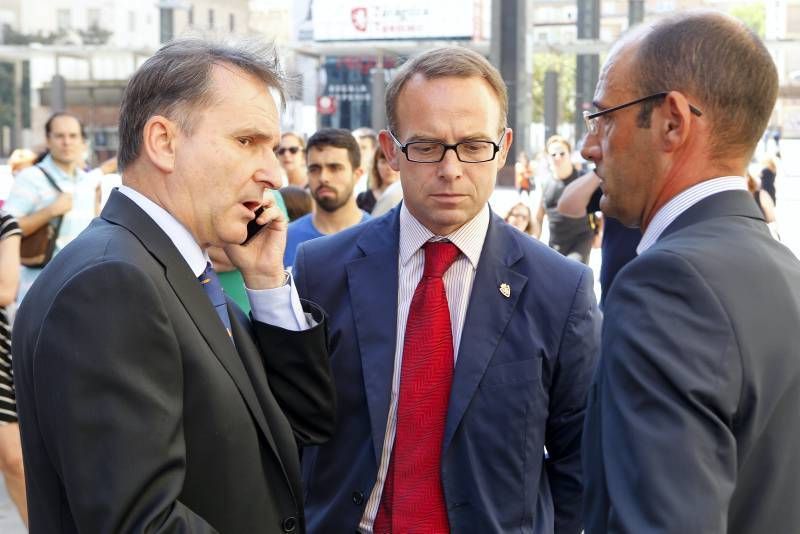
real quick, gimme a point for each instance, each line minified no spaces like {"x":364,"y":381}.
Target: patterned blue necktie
{"x":213,"y":289}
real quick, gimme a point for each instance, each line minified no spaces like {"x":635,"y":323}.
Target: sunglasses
{"x":290,"y":149}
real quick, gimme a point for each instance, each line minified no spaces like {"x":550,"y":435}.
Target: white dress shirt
{"x":277,"y":307}
{"x":458,"y":288}
{"x":682,"y":202}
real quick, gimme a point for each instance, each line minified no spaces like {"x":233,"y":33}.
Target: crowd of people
{"x":234,"y":340}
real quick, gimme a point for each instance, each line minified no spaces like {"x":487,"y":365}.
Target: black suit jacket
{"x":137,"y":412}
{"x":691,"y":425}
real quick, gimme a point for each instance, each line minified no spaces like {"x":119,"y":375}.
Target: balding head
{"x":720,"y":63}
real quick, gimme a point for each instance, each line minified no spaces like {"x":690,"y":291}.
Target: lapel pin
{"x":505,"y":290}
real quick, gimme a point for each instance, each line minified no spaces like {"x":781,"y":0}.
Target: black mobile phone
{"x":253,"y":227}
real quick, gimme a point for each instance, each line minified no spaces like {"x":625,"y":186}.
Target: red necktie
{"x":413,"y":499}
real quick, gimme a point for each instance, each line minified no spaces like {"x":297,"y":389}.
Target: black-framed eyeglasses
{"x":591,"y":121}
{"x":291,"y":149}
{"x":476,"y":151}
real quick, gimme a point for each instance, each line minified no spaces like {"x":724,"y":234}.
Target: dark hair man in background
{"x":334,"y":167}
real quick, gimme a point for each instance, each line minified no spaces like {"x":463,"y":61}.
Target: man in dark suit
{"x":691,"y":423}
{"x":454,"y":376}
{"x":148,"y":403}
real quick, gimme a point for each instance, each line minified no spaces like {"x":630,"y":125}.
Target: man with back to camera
{"x":691,"y":423}
{"x":334,"y":167}
{"x":454,"y":380}
{"x":147,"y":402}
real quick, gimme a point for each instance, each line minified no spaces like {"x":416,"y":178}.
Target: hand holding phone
{"x":253,"y":227}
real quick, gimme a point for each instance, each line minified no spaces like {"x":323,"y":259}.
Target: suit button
{"x":289,"y":524}
{"x":358,"y":498}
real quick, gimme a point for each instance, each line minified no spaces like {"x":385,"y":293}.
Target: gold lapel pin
{"x":505,"y":290}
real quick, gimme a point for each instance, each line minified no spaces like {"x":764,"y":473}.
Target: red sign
{"x":326,"y":105}
{"x":359,"y":17}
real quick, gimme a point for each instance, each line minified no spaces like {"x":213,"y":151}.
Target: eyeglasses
{"x":291,"y":149}
{"x":434,"y":151}
{"x":592,"y":124}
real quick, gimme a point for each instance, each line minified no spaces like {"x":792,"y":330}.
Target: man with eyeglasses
{"x":692,"y":418}
{"x":461,"y":348}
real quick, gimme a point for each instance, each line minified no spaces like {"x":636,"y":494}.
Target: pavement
{"x":10,"y":523}
{"x":788,"y":213}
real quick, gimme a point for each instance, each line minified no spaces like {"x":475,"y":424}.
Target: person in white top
{"x":691,"y":422}
{"x":453,"y":378}
{"x":148,"y":401}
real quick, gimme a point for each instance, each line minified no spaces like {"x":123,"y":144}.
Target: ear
{"x":674,"y":120}
{"x":390,"y":149}
{"x":159,"y":138}
{"x":358,"y":172}
{"x":505,"y":147}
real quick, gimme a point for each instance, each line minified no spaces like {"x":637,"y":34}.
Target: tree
{"x":564,"y":65}
{"x":753,"y":14}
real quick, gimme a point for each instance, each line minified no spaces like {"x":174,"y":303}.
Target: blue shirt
{"x":302,"y":230}
{"x":32,"y":192}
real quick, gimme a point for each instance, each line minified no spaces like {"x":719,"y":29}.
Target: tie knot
{"x":439,"y":256}
{"x":212,"y":286}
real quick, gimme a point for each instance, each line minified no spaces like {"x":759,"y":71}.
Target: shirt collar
{"x":178,"y":234}
{"x":682,"y":202}
{"x":468,"y":238}
{"x":50,"y":164}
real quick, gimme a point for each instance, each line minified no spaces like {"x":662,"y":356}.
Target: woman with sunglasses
{"x":291,"y":154}
{"x":571,"y":236}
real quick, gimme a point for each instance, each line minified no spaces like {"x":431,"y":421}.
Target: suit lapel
{"x":487,"y":316}
{"x":375,"y":273}
{"x":122,"y":211}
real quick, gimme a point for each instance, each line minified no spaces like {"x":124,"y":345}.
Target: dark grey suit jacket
{"x":137,"y":412}
{"x":692,"y":423}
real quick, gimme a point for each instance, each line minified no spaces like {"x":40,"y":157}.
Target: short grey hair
{"x":176,"y":83}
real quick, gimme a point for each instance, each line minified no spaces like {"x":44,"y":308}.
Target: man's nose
{"x":450,"y":167}
{"x":591,"y":148}
{"x":268,"y":172}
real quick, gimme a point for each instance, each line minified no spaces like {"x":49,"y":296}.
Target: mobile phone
{"x":253,"y":227}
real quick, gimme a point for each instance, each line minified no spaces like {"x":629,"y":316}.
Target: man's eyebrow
{"x":255,"y":132}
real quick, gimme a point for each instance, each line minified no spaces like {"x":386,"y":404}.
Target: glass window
{"x":63,"y":19}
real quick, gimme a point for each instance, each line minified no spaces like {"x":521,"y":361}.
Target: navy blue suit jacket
{"x":520,"y":382}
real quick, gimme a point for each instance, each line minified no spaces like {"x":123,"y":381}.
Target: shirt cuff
{"x":280,"y":306}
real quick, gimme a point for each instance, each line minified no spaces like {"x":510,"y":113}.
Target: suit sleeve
{"x":577,"y":357}
{"x":667,"y":389}
{"x":300,"y":377}
{"x":109,"y":379}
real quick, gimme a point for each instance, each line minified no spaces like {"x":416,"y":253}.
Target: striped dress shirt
{"x":458,"y":287}
{"x":682,"y":202}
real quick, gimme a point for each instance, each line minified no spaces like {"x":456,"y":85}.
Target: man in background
{"x":56,"y":187}
{"x":334,"y":167}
